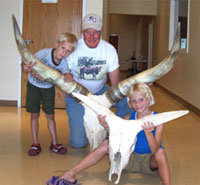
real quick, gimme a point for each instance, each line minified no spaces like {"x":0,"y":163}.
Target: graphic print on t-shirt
{"x":90,"y":68}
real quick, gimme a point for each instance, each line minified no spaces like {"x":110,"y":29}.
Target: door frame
{"x":20,"y":59}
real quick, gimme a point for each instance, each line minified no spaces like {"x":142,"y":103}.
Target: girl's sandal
{"x":56,"y":181}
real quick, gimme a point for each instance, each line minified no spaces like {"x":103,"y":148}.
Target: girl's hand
{"x":148,"y":126}
{"x":68,"y":77}
{"x":103,"y":122}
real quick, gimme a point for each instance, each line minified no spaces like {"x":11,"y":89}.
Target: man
{"x":90,"y":63}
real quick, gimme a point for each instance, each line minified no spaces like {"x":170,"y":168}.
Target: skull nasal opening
{"x":117,"y":157}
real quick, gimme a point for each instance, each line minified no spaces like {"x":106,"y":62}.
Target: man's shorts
{"x":140,"y":163}
{"x":35,"y":96}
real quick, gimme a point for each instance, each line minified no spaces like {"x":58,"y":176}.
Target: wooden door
{"x":42,"y":24}
{"x":113,"y":39}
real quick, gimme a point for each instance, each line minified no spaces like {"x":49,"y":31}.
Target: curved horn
{"x":116,"y":93}
{"x":46,"y":73}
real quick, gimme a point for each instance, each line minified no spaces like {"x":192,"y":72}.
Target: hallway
{"x":181,"y":140}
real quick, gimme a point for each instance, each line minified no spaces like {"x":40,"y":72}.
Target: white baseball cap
{"x":92,"y":21}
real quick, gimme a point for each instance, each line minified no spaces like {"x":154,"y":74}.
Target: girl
{"x":148,"y":154}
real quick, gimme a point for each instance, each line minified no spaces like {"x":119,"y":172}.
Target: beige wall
{"x":133,"y":7}
{"x":184,"y":78}
{"x":10,"y":61}
{"x":94,"y":6}
{"x":124,"y":26}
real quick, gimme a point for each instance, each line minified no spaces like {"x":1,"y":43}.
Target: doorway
{"x":42,"y":24}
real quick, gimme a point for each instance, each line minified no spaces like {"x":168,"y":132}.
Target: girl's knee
{"x":105,"y":146}
{"x":160,"y":155}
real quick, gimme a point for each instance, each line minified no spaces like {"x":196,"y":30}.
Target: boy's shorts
{"x":140,"y":163}
{"x":35,"y":96}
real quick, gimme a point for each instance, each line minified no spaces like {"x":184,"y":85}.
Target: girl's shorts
{"x":140,"y":163}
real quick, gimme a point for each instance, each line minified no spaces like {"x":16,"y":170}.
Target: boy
{"x":39,"y":91}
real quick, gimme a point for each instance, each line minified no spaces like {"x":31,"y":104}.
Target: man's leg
{"x":122,"y":108}
{"x":75,"y":113}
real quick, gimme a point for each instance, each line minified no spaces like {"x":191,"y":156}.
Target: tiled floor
{"x":181,"y":140}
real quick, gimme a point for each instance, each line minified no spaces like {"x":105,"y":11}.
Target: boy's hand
{"x":148,"y":126}
{"x":28,"y":67}
{"x":68,"y":77}
{"x":103,"y":122}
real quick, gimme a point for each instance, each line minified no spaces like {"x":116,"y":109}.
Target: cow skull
{"x":122,"y":135}
{"x":95,"y":132}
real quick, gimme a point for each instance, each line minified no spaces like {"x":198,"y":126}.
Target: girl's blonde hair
{"x":70,"y":38}
{"x":141,"y":89}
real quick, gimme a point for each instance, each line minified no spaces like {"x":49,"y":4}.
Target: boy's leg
{"x":48,"y":104}
{"x":33,"y":99}
{"x":75,"y":113}
{"x":52,"y":128}
{"x":35,"y":127}
{"x":159,"y":160}
{"x":90,"y":160}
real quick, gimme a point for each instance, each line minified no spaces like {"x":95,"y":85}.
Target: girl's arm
{"x":154,"y":142}
{"x":103,"y":122}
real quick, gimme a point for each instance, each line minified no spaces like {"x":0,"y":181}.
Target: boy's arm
{"x":154,"y":142}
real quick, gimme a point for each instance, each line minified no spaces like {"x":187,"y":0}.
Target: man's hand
{"x":68,"y":77}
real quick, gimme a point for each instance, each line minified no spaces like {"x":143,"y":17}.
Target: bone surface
{"x":122,"y":136}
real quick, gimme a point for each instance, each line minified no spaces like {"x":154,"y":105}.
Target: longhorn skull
{"x":95,"y":132}
{"x":122,"y":135}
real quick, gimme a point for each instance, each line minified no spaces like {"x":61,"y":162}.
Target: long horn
{"x":157,"y":119}
{"x":116,"y":93}
{"x":46,"y":73}
{"x":97,"y":107}
{"x":164,"y":117}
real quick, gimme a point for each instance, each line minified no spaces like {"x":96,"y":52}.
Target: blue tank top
{"x":142,"y":146}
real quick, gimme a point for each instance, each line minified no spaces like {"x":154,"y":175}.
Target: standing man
{"x":90,"y":63}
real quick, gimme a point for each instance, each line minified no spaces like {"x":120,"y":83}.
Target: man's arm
{"x":114,"y":77}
